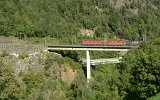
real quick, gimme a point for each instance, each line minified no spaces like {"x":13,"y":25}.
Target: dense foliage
{"x":63,"y":78}
{"x":104,"y":85}
{"x":136,"y":77}
{"x":10,"y":88}
{"x":140,"y":71}
{"x":64,"y":18}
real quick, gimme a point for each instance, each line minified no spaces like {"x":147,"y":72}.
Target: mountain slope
{"x":59,"y":18}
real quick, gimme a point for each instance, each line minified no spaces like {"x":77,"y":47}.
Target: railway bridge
{"x":87,"y":49}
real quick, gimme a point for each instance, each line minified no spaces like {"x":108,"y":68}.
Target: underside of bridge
{"x":90,"y":48}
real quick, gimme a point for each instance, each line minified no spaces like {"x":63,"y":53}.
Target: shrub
{"x":23,"y":55}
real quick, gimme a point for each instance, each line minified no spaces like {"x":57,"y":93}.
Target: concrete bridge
{"x":90,"y":48}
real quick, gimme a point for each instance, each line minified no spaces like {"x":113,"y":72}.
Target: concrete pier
{"x":88,"y":66}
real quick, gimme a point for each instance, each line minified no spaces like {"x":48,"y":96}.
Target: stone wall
{"x":22,"y":48}
{"x":12,"y":45}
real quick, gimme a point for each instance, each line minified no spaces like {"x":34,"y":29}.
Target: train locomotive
{"x":110,"y":43}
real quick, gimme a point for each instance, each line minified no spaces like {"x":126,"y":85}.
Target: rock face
{"x":34,"y":63}
{"x":87,"y":32}
{"x":69,"y":75}
{"x":118,"y":3}
{"x":35,"y":57}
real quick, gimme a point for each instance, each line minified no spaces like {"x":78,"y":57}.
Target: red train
{"x":111,"y":43}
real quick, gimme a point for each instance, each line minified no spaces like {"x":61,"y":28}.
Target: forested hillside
{"x":53,"y":77}
{"x":59,"y":76}
{"x":127,"y":19}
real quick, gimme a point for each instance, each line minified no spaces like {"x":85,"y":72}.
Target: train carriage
{"x":110,"y":43}
{"x":92,"y":43}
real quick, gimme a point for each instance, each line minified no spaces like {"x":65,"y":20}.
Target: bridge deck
{"x":94,"y":48}
{"x":91,"y":46}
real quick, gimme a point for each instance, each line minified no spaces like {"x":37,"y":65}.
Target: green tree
{"x":105,"y":83}
{"x":33,"y":81}
{"x":10,"y":88}
{"x":140,"y":71}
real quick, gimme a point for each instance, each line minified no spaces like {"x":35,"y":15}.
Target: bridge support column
{"x":88,"y":66}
